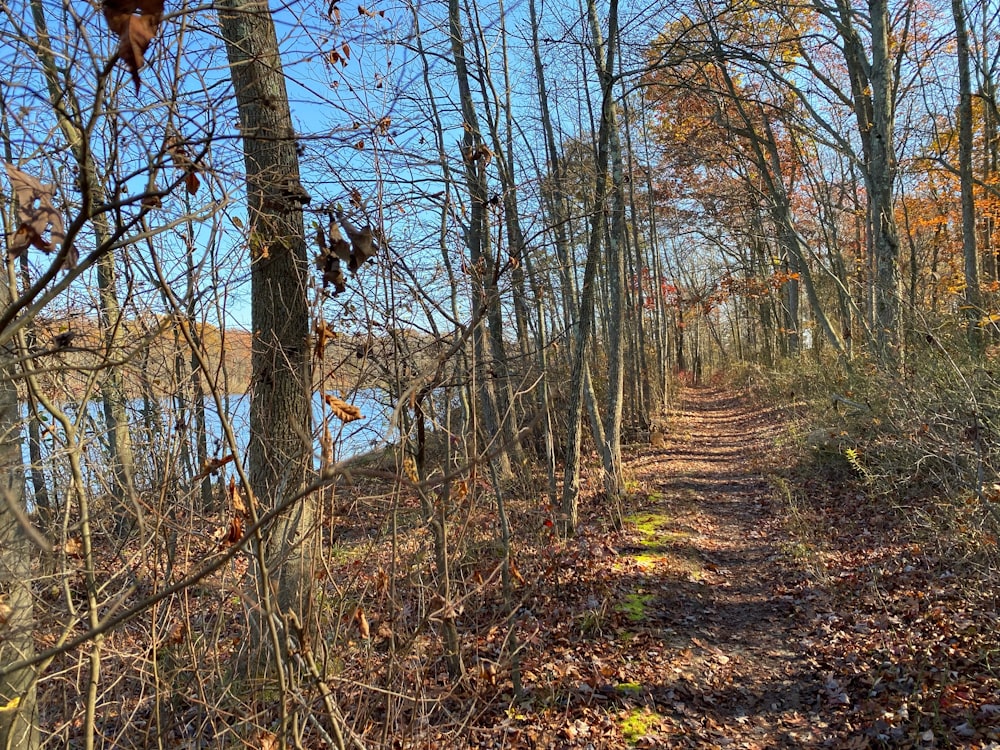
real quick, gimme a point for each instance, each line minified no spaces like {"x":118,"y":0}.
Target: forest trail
{"x":755,"y":603}
{"x":717,"y":557}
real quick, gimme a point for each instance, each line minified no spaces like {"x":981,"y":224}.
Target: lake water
{"x":156,"y":442}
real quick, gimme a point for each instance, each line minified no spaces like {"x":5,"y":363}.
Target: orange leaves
{"x":361,"y":620}
{"x":36,"y":215}
{"x":135,"y":30}
{"x":323,"y":333}
{"x":212,"y":465}
{"x":342,"y":410}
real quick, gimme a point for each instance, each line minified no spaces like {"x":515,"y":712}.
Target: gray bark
{"x":485,"y":291}
{"x":18,"y":728}
{"x":615,"y":251}
{"x":571,"y":481}
{"x":62,"y":96}
{"x":280,"y":411}
{"x":973,"y":301}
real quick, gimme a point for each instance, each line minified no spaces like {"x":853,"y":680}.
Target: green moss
{"x":649,"y":524}
{"x":632,"y":689}
{"x":796,"y":550}
{"x":635,"y":605}
{"x":638,"y":723}
{"x":647,"y":560}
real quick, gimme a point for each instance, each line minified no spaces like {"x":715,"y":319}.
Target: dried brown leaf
{"x":323,"y":333}
{"x":362,"y":623}
{"x":135,"y":30}
{"x":35,"y":212}
{"x":212,"y":465}
{"x":342,"y":410}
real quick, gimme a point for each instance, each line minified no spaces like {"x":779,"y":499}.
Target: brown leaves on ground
{"x":36,"y":214}
{"x":135,"y":23}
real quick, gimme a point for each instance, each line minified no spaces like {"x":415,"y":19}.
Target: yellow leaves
{"x":11,"y":705}
{"x":342,"y":410}
{"x":410,"y":470}
{"x":989,"y":319}
{"x":135,"y":32}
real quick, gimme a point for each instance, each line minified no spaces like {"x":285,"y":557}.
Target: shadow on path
{"x":713,"y":564}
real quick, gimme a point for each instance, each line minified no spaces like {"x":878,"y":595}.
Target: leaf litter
{"x":709,"y":620}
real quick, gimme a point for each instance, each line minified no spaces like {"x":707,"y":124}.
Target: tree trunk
{"x":882,"y":176}
{"x":113,"y":397}
{"x":18,"y":730}
{"x":280,"y":413}
{"x":571,"y":481}
{"x":973,"y":301}
{"x":615,"y":251}
{"x":484,"y":288}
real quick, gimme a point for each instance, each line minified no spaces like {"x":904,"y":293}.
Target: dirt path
{"x":718,"y":560}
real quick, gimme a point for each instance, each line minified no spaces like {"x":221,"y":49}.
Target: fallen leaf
{"x":362,"y":623}
{"x":73,"y":547}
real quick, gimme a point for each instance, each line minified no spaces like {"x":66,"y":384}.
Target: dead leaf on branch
{"x":363,"y":243}
{"x":136,"y":23}
{"x":323,"y":334}
{"x":328,"y":262}
{"x":237,"y":498}
{"x":342,"y":410}
{"x":181,"y":157}
{"x":212,"y":465}
{"x":36,"y":214}
{"x":227,"y":536}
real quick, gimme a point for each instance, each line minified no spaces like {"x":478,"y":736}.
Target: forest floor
{"x":751,"y":594}
{"x":748,"y":604}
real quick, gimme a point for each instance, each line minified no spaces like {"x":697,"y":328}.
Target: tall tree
{"x":18,"y":729}
{"x":973,"y":303}
{"x":571,"y":482}
{"x":280,"y":413}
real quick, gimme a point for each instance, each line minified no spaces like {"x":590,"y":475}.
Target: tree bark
{"x":973,"y":301}
{"x":280,"y":413}
{"x":62,"y":96}
{"x":18,"y":727}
